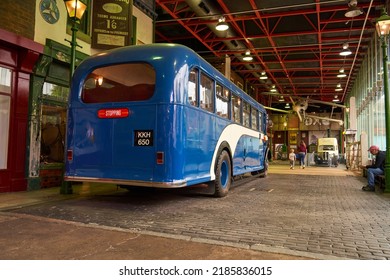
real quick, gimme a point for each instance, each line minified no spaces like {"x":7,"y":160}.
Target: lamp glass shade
{"x":75,"y":8}
{"x":383,"y":24}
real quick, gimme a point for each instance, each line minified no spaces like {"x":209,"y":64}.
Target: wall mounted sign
{"x":49,"y":11}
{"x":293,"y":138}
{"x":111,"y":23}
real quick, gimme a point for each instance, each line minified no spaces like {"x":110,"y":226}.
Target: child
{"x":292,"y":157}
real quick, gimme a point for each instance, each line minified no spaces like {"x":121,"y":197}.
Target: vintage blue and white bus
{"x":159,"y":115}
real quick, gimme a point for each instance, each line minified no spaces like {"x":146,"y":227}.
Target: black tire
{"x":264,"y":172}
{"x":223,"y":175}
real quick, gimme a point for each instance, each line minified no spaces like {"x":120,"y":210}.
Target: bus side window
{"x":261,"y":122}
{"x":236,"y":112}
{"x":206,"y":93}
{"x":222,"y":101}
{"x":246,"y":114}
{"x":193,"y":87}
{"x":254,"y":114}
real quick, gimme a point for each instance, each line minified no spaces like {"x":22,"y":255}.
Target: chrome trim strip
{"x":175,"y":184}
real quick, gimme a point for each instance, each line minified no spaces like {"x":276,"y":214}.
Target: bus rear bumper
{"x":174,"y":184}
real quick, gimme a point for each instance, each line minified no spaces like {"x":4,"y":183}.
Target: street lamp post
{"x":383,"y":29}
{"x":75,"y":9}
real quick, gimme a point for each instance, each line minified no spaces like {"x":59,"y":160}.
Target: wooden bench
{"x":379,"y":179}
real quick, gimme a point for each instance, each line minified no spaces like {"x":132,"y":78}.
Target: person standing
{"x":302,"y":149}
{"x":292,"y":157}
{"x":377,"y":168}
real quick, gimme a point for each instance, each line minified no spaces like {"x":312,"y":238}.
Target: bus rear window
{"x":119,"y":83}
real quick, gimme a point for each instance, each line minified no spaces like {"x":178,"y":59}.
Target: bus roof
{"x":155,"y":54}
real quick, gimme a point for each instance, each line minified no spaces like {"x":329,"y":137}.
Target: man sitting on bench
{"x":377,"y":168}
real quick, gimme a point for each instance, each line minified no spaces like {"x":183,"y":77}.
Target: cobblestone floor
{"x":316,"y":210}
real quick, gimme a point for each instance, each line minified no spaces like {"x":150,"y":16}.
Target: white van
{"x":327,"y":151}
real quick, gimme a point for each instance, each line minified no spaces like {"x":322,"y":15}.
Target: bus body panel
{"x":191,"y":144}
{"x":105,"y":147}
{"x":247,"y":155}
{"x":245,"y":146}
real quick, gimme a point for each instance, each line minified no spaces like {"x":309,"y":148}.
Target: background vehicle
{"x":327,"y":151}
{"x":161,"y":116}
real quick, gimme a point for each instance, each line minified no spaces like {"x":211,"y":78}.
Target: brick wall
{"x":18,"y":16}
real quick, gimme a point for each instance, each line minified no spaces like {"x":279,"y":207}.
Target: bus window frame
{"x":110,"y":88}
{"x":222,"y":98}
{"x":235,"y":97}
{"x":195,"y":102}
{"x":261,"y":121}
{"x":204,"y":106}
{"x":254,"y":115}
{"x":246,"y":114}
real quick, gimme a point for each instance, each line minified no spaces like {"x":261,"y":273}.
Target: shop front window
{"x":5,"y":107}
{"x":53,"y":123}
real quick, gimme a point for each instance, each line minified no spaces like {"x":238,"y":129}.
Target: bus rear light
{"x":160,"y":158}
{"x":69,"y":155}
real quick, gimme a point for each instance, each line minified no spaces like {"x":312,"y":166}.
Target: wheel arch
{"x":224,"y":146}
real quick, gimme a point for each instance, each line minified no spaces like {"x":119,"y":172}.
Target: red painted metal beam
{"x":194,"y":30}
{"x":271,"y":41}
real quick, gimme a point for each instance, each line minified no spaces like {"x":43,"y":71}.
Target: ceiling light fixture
{"x":247,"y":56}
{"x":281,"y":99}
{"x":353,"y":10}
{"x":273,"y":89}
{"x":341,"y":73}
{"x":287,"y":106}
{"x":222,"y":25}
{"x":336,"y":99}
{"x":263,"y":76}
{"x":346,"y":51}
{"x":338,"y":88}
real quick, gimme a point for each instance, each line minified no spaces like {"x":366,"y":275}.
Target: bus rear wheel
{"x":264,"y":172}
{"x":223,"y":175}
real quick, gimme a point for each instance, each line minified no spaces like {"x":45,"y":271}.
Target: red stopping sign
{"x":113,"y":113}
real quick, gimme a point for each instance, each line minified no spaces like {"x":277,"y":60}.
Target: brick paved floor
{"x":318,"y":211}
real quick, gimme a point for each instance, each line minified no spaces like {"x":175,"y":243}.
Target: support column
{"x":387,"y":112}
{"x":227,"y":67}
